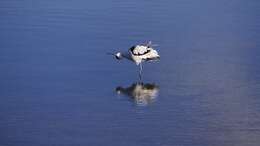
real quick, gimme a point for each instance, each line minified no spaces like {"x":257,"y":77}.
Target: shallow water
{"x":58,"y":87}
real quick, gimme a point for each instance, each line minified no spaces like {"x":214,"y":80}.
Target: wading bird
{"x":138,"y":54}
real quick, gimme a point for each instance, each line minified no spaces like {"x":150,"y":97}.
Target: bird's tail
{"x":150,"y":44}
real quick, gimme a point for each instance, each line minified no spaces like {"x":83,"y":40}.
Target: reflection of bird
{"x":141,"y":93}
{"x":139,"y":54}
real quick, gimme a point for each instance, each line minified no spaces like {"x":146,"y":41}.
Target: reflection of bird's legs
{"x":140,"y":71}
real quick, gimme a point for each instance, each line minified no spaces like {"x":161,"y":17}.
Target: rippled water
{"x":59,"y":88}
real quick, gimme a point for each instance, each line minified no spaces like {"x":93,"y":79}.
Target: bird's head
{"x":118,"y":55}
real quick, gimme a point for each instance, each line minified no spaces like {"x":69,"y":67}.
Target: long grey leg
{"x":140,"y":71}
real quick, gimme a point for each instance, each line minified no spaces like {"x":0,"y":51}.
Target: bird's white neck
{"x":127,"y":56}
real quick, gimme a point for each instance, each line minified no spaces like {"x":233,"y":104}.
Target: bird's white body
{"x":141,"y":53}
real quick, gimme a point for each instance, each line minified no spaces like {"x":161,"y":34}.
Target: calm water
{"x":59,"y":88}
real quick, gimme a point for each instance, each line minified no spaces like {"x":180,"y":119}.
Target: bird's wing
{"x":139,"y":50}
{"x":149,"y":44}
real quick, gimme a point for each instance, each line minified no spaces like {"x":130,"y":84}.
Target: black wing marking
{"x":152,"y":59}
{"x":139,"y":54}
{"x":132,"y":49}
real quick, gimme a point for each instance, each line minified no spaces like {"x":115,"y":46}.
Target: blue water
{"x":59,"y":88}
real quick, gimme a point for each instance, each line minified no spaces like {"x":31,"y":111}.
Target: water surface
{"x":59,"y":88}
